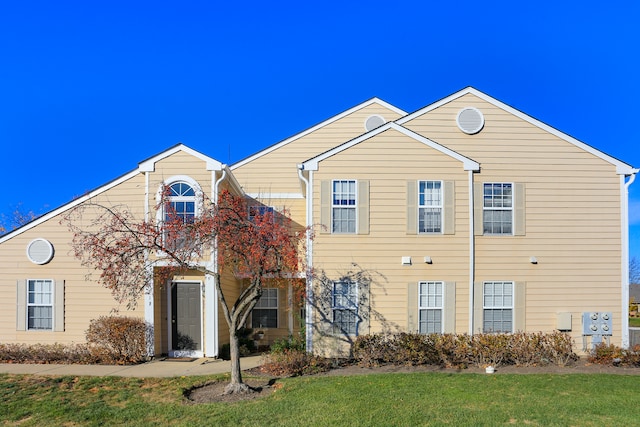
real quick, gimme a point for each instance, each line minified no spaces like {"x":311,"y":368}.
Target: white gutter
{"x":625,"y":254}
{"x":308,"y":288}
{"x":472,"y":251}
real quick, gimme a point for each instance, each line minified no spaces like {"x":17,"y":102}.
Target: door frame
{"x":184,"y":353}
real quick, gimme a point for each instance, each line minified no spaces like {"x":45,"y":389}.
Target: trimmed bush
{"x":463,"y":350}
{"x":118,"y":339}
{"x":46,"y":353}
{"x":291,"y":363}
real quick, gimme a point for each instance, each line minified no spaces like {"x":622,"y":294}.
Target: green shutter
{"x":449,"y":315}
{"x":364,"y":309}
{"x":325,"y":206}
{"x":412,"y":307}
{"x":363,"y":207}
{"x":519,"y":209}
{"x":449,"y":205}
{"x":21,"y":305}
{"x":519,"y":316}
{"x":477,"y":308}
{"x":412,"y":210}
{"x":478,"y":203}
{"x":58,"y":307}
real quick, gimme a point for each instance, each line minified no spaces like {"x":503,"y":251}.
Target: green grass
{"x":634,"y":322}
{"x":368,"y":400}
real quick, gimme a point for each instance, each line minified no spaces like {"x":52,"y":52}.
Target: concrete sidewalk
{"x":154,"y":369}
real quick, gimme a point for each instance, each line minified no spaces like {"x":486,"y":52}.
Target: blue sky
{"x":89,"y":89}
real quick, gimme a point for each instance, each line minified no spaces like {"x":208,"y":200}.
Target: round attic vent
{"x":373,"y":122}
{"x":470,"y":120}
{"x":40,"y":251}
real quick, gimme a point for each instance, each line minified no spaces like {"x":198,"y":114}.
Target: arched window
{"x":181,"y":202}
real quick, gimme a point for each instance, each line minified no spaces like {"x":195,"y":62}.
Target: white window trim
{"x":355,"y":308}
{"x":427,"y":307}
{"x":426,"y":206}
{"x":52,"y":305}
{"x":277,"y":308}
{"x":511,"y":209}
{"x":502,"y":307}
{"x":354,"y":207}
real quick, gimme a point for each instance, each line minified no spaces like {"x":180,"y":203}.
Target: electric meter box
{"x":597,"y":323}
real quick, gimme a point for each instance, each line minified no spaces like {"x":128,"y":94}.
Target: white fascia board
{"x":144,"y":166}
{"x":149,"y":164}
{"x":69,"y":205}
{"x":316,"y":127}
{"x":621,"y":167}
{"x":312,"y":164}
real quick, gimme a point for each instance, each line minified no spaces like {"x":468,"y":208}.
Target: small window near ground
{"x":40,"y":305}
{"x":345,"y":308}
{"x":265,"y":313}
{"x":497,"y":307}
{"x":430,"y":297}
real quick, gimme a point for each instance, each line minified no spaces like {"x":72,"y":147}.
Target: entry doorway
{"x":185,"y":329}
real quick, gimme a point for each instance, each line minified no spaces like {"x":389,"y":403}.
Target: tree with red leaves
{"x":130,"y":253}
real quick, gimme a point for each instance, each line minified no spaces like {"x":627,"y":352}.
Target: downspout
{"x":625,"y":255}
{"x":472,"y":252}
{"x":210,"y":286}
{"x":308,"y":285}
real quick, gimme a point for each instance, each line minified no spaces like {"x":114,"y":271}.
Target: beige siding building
{"x":465,"y":216}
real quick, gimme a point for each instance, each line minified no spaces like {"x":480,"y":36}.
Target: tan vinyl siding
{"x":83,"y":299}
{"x":393,"y":160}
{"x":572,"y":211}
{"x":276,"y":172}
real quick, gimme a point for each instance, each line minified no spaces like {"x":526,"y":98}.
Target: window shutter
{"x":364,"y":310}
{"x":478,"y":314}
{"x":283,"y":309}
{"x":519,"y":210}
{"x":449,"y":206}
{"x":412,"y":307}
{"x":58,"y":306}
{"x":449,"y":315}
{"x":21,"y":306}
{"x":412,"y":210}
{"x":478,"y":203}
{"x":363,"y":207}
{"x":519,"y":315}
{"x":325,"y":206}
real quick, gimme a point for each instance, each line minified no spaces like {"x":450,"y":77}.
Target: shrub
{"x":292,"y":342}
{"x":291,"y":363}
{"x":246,"y":346}
{"x":118,"y":339}
{"x":46,"y":353}
{"x":372,"y":350}
{"x":557,"y":348}
{"x":490,"y":350}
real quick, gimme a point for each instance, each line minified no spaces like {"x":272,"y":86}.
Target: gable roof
{"x":312,"y":164}
{"x":147,"y":165}
{"x":316,"y":127}
{"x":621,"y":167}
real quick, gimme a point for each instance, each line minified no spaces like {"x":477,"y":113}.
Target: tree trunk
{"x":236,"y":385}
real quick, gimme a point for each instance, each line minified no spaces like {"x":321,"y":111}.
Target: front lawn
{"x":367,"y":400}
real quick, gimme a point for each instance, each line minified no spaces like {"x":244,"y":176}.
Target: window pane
{"x":264,"y":318}
{"x":430,"y":321}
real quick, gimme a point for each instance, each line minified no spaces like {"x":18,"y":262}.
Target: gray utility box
{"x":597,"y":323}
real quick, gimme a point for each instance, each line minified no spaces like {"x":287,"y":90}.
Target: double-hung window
{"x":497,"y":208}
{"x":430,"y":307}
{"x":255,"y":211}
{"x":265,"y":313}
{"x":40,"y":304}
{"x":344,"y":306}
{"x":430,"y":206}
{"x":497,"y":307}
{"x":180,"y":208}
{"x":343,"y":206}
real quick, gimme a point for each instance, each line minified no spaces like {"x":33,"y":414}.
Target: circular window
{"x":40,"y":251}
{"x":373,"y":122}
{"x":470,"y":120}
